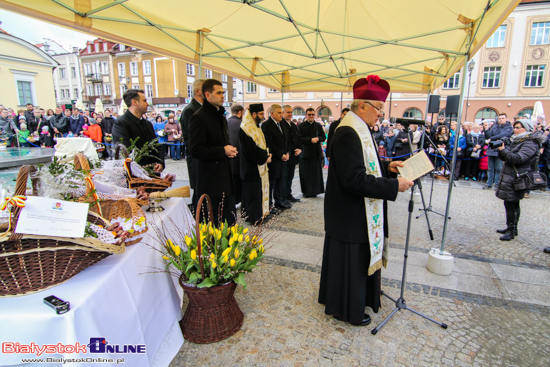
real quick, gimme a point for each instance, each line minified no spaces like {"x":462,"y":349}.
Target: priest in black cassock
{"x":356,"y":224}
{"x":254,"y":158}
{"x":311,"y":136}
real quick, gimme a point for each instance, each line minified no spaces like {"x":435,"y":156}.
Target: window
{"x":190,"y":69}
{"x":208,"y":73}
{"x":121,"y":47}
{"x":452,"y":82}
{"x":87,"y":69}
{"x":96,"y":47}
{"x":98,"y":89}
{"x":104,"y":67}
{"x":224,"y":78}
{"x":146,"y":67}
{"x":123,"y":88}
{"x":76,"y":93}
{"x":24,"y":89}
{"x":121,"y":69}
{"x":89,"y":49}
{"x":497,"y":39}
{"x":73,"y":72}
{"x":133,"y":68}
{"x":540,"y":33}
{"x":526,"y":111}
{"x":107,"y":89}
{"x":412,"y":113}
{"x":271,"y":90}
{"x":250,"y":87}
{"x":68,"y":93}
{"x":491,"y":77}
{"x":149,"y":90}
{"x":105,"y":46}
{"x":89,"y":90}
{"x":486,"y":113}
{"x":189,"y":90}
{"x":135,"y":86}
{"x":62,"y":93}
{"x":62,"y":73}
{"x":298,"y":111}
{"x":534,"y":76}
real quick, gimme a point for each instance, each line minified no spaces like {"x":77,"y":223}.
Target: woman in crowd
{"x":49,"y":114}
{"x":172,"y":130}
{"x":521,"y":156}
{"x":377,"y":134}
{"x":460,"y":150}
{"x":441,"y":139}
{"x":159,"y":131}
{"x":402,"y":148}
{"x":474,"y":149}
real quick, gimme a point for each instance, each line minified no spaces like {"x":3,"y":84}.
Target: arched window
{"x":298,"y":111}
{"x":526,"y":111}
{"x":324,"y":113}
{"x":448,"y":116}
{"x":486,"y":113}
{"x":413,"y":113}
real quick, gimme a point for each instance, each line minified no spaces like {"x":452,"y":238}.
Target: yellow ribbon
{"x":14,"y":201}
{"x":90,"y":185}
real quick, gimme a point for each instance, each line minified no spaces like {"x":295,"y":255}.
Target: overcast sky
{"x":34,"y":31}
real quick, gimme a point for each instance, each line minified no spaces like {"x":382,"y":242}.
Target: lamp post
{"x":471,"y":66}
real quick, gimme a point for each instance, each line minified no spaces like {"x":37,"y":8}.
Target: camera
{"x":497,"y":143}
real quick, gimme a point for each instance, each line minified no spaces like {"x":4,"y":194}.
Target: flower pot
{"x":212,"y":314}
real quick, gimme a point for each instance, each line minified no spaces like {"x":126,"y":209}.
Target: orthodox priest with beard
{"x":254,"y":158}
{"x":356,"y":224}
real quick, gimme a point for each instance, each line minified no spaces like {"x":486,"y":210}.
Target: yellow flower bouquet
{"x":227,"y":254}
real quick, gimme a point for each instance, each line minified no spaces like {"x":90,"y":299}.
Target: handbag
{"x":475,"y":154}
{"x":532,"y":180}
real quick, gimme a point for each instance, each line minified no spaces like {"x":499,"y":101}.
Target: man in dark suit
{"x":276,"y":139}
{"x":189,"y":110}
{"x":133,"y":125}
{"x":209,"y":144}
{"x":294,"y":152}
{"x":311,"y":135}
{"x":332,"y":128}
{"x":234,"y":126}
{"x":76,"y":122}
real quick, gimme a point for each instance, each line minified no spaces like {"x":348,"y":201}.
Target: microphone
{"x":403,"y":121}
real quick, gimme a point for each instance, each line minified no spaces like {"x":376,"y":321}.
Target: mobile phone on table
{"x":57,"y":304}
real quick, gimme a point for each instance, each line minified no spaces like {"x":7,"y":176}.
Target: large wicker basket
{"x":125,"y":208}
{"x":30,"y":263}
{"x":213,"y":314}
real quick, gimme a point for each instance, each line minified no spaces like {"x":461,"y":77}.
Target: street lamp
{"x":471,"y":66}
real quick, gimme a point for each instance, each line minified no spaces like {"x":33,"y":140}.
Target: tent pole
{"x":201,"y":38}
{"x":453,"y":164}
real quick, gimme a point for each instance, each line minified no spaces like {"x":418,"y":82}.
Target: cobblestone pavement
{"x":285,"y":326}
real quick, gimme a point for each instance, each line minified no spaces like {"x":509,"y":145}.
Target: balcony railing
{"x":95,"y":77}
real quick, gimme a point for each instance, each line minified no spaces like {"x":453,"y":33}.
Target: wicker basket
{"x":155,"y":184}
{"x":125,"y":208}
{"x":30,"y":263}
{"x":213,"y":314}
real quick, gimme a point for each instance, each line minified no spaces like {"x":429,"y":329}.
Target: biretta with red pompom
{"x":372,"y":88}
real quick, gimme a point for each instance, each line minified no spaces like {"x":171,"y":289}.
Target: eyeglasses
{"x":373,"y":106}
{"x":311,"y":114}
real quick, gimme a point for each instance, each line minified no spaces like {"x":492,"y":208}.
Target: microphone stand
{"x":400,"y":303}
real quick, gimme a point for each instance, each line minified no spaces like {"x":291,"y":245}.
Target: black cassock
{"x":345,"y":288}
{"x":250,"y":157}
{"x":311,"y":159}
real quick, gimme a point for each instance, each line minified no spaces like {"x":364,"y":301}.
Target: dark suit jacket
{"x":347,"y":186}
{"x":185,"y":117}
{"x":207,"y":137}
{"x":234,"y":126}
{"x":293,"y":139}
{"x":277,"y":142}
{"x":129,"y":127}
{"x":307,"y":131}
{"x":331,"y":131}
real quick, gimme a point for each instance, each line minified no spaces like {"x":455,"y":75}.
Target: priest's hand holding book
{"x":404,"y":184}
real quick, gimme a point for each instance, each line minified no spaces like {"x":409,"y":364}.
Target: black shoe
{"x":275,"y":211}
{"x":502,"y":231}
{"x":283,"y":205}
{"x":547,"y":250}
{"x":509,"y":235}
{"x":366,"y":320}
{"x":486,"y":187}
{"x":294,"y":200}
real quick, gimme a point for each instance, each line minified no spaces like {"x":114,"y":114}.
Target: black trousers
{"x":287,"y":189}
{"x":512,"y":212}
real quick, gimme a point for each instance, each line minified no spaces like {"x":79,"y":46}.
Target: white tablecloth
{"x":116,"y":299}
{"x":70,"y":146}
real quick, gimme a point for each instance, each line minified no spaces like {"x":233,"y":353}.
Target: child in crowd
{"x":483,"y":165}
{"x":389,"y":143}
{"x":46,"y":139}
{"x":23,"y":133}
{"x":382,"y":152}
